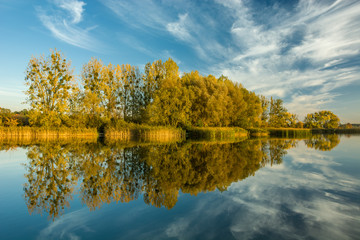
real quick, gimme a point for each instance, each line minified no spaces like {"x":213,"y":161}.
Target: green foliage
{"x":258,"y":132}
{"x":277,"y":114}
{"x":279,"y":117}
{"x":11,"y":122}
{"x":116,"y":94}
{"x":322,"y":119}
{"x":50,"y":85}
{"x":265,"y":111}
{"x":216,"y":133}
{"x":13,"y":119}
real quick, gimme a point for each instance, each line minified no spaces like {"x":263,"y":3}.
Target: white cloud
{"x":66,"y":226}
{"x":179,"y":29}
{"x":307,"y":197}
{"x":67,"y":28}
{"x":305,"y":50}
{"x":264,"y":60}
{"x":13,"y":92}
{"x":74,"y":7}
{"x":323,"y":206}
{"x":160,"y":20}
{"x":146,"y":15}
{"x":178,"y":228}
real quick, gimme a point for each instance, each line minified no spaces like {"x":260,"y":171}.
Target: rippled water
{"x":251,"y":189}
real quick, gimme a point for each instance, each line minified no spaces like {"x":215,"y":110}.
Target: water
{"x":252,"y":189}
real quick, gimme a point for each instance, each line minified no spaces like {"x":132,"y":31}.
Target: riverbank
{"x":144,"y":133}
{"x":138,"y":132}
{"x":35,"y":132}
{"x":216,"y":133}
{"x":289,"y":132}
{"x":337,"y":131}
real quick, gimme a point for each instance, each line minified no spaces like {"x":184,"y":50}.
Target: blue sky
{"x":305,"y":52}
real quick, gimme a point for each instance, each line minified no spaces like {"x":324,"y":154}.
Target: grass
{"x":337,"y":131}
{"x":348,"y":131}
{"x":36,"y":132}
{"x":258,"y":132}
{"x":289,"y":132}
{"x":133,"y":131}
{"x":216,"y":133}
{"x":15,"y":142}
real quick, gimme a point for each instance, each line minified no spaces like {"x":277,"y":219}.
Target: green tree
{"x":265,"y":110}
{"x":277,"y":113}
{"x":236,"y":105}
{"x":291,"y":120}
{"x":131,"y":95}
{"x":99,"y":96}
{"x":4,"y":114}
{"x":321,"y":119}
{"x":50,"y":84}
{"x":252,"y":114}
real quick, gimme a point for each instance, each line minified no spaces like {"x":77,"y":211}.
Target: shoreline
{"x":163,"y":133}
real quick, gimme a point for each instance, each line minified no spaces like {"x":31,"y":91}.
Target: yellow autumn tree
{"x":50,"y":84}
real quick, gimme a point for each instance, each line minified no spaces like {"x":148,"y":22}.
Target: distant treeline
{"x":115,"y":95}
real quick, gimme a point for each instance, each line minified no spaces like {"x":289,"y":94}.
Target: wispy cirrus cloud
{"x":75,"y":8}
{"x":198,"y":35}
{"x":146,"y":15}
{"x":177,"y":19}
{"x":67,"y":226}
{"x":303,"y":53}
{"x":62,"y":20}
{"x":293,"y":50}
{"x":180,"y":28}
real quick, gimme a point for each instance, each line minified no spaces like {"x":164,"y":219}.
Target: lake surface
{"x":251,"y":189}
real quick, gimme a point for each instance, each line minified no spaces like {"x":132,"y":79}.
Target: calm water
{"x":253,"y":189}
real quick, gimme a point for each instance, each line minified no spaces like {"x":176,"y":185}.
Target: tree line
{"x":113,"y":95}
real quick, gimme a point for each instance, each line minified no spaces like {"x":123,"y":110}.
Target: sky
{"x":306,"y":52}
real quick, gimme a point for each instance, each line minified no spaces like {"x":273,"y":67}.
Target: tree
{"x":299,"y":124}
{"x":321,"y":119}
{"x":277,"y":113}
{"x":290,"y":120}
{"x":170,"y":105}
{"x":50,"y":84}
{"x":253,"y":112}
{"x":130,"y":93}
{"x":11,"y":122}
{"x":93,"y":97}
{"x":4,"y":114}
{"x":265,"y":110}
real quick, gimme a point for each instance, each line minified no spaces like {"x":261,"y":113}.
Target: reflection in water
{"x":119,"y":172}
{"x":50,"y":179}
{"x":323,"y":142}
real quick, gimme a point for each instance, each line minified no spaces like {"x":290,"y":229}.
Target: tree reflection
{"x":121,"y":172}
{"x":51,"y":179}
{"x":324,"y":142}
{"x":276,"y":150}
